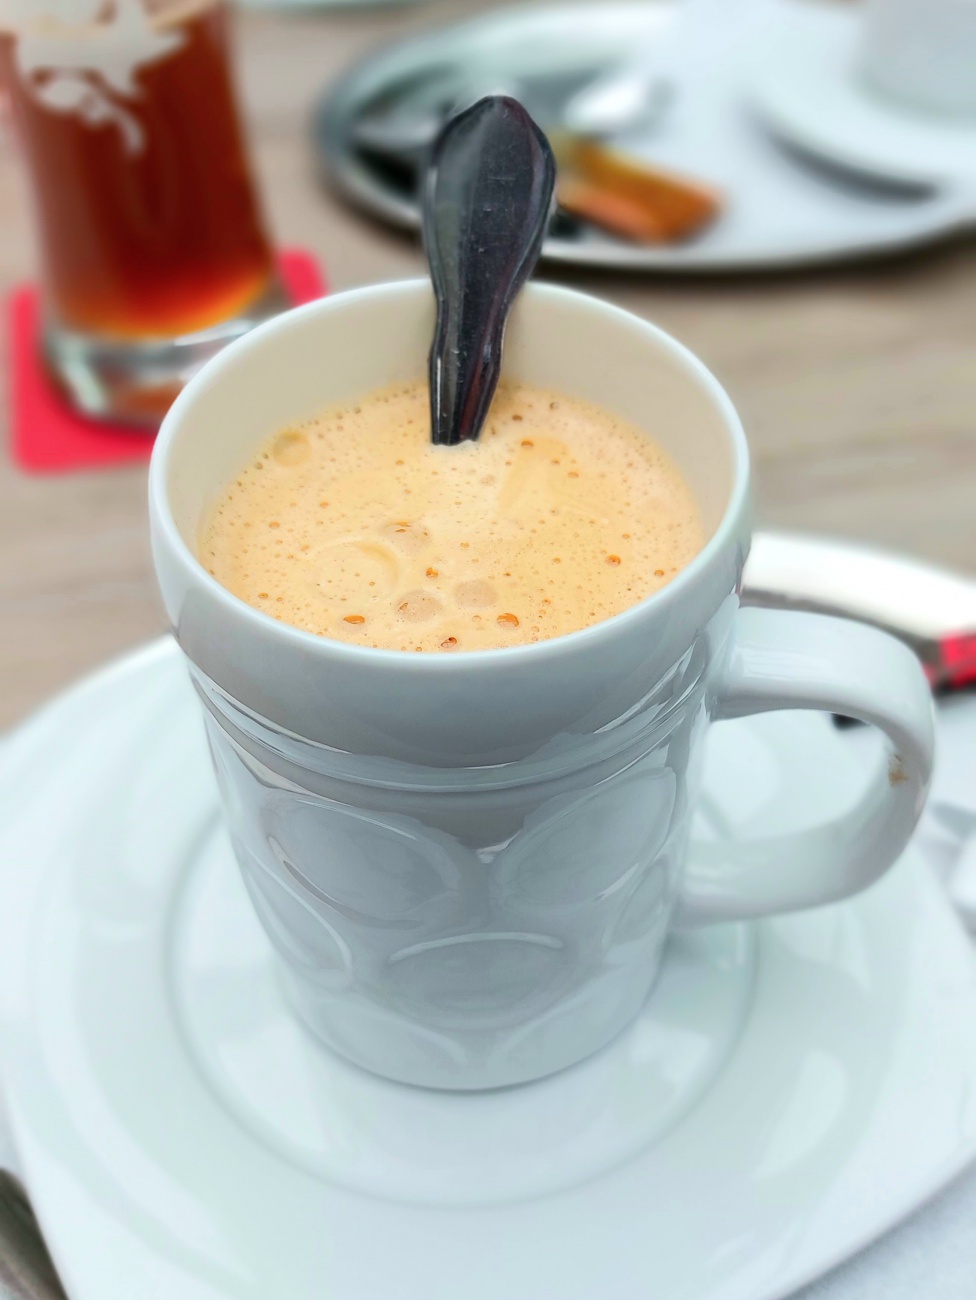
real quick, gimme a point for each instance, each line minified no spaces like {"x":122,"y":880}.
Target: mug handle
{"x":782,"y":659}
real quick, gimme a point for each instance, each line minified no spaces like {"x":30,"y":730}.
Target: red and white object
{"x":932,"y":609}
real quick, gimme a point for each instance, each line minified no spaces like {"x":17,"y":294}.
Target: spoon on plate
{"x":487,"y":200}
{"x":26,"y":1271}
{"x":609,"y":104}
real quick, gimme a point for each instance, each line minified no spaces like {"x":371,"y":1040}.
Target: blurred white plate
{"x":807,"y":88}
{"x":305,"y":6}
{"x":783,"y":209}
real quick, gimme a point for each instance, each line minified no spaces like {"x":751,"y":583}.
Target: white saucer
{"x":413,"y":1145}
{"x":750,"y":1131}
{"x":807,"y":89}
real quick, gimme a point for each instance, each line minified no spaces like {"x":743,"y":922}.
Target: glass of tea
{"x":153,"y":248}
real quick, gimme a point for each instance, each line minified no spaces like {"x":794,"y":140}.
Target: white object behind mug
{"x":922,"y":53}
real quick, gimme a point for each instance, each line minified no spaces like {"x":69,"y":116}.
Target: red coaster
{"x":46,"y":436}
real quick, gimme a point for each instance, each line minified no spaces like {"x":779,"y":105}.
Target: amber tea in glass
{"x":153,"y":248}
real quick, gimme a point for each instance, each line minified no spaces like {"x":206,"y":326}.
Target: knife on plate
{"x":26,"y":1271}
{"x":930,"y":608}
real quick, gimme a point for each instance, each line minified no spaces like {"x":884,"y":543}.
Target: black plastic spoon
{"x":487,"y":201}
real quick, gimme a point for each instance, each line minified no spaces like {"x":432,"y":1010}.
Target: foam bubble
{"x":476,"y":594}
{"x":406,"y":535}
{"x":291,"y":448}
{"x":418,"y":607}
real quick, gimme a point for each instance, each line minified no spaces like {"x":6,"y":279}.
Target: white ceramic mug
{"x":922,"y":53}
{"x":468,"y":863}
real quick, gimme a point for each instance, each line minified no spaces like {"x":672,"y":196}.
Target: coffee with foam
{"x":354,"y":526}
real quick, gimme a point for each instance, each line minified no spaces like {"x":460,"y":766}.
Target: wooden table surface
{"x":857,"y":386}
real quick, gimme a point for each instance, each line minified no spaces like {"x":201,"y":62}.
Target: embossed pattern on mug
{"x":466,"y":933}
{"x":354,"y":526}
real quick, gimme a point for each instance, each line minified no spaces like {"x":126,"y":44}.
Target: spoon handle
{"x":26,"y":1271}
{"x":487,"y":201}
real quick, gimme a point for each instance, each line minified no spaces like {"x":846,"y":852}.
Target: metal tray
{"x":782,"y":211}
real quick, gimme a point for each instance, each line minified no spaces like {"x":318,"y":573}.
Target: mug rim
{"x":657,"y":602}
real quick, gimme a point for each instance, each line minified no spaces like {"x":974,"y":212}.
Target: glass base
{"x":134,"y":382}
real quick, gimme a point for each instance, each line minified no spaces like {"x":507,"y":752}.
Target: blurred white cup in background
{"x":922,"y":53}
